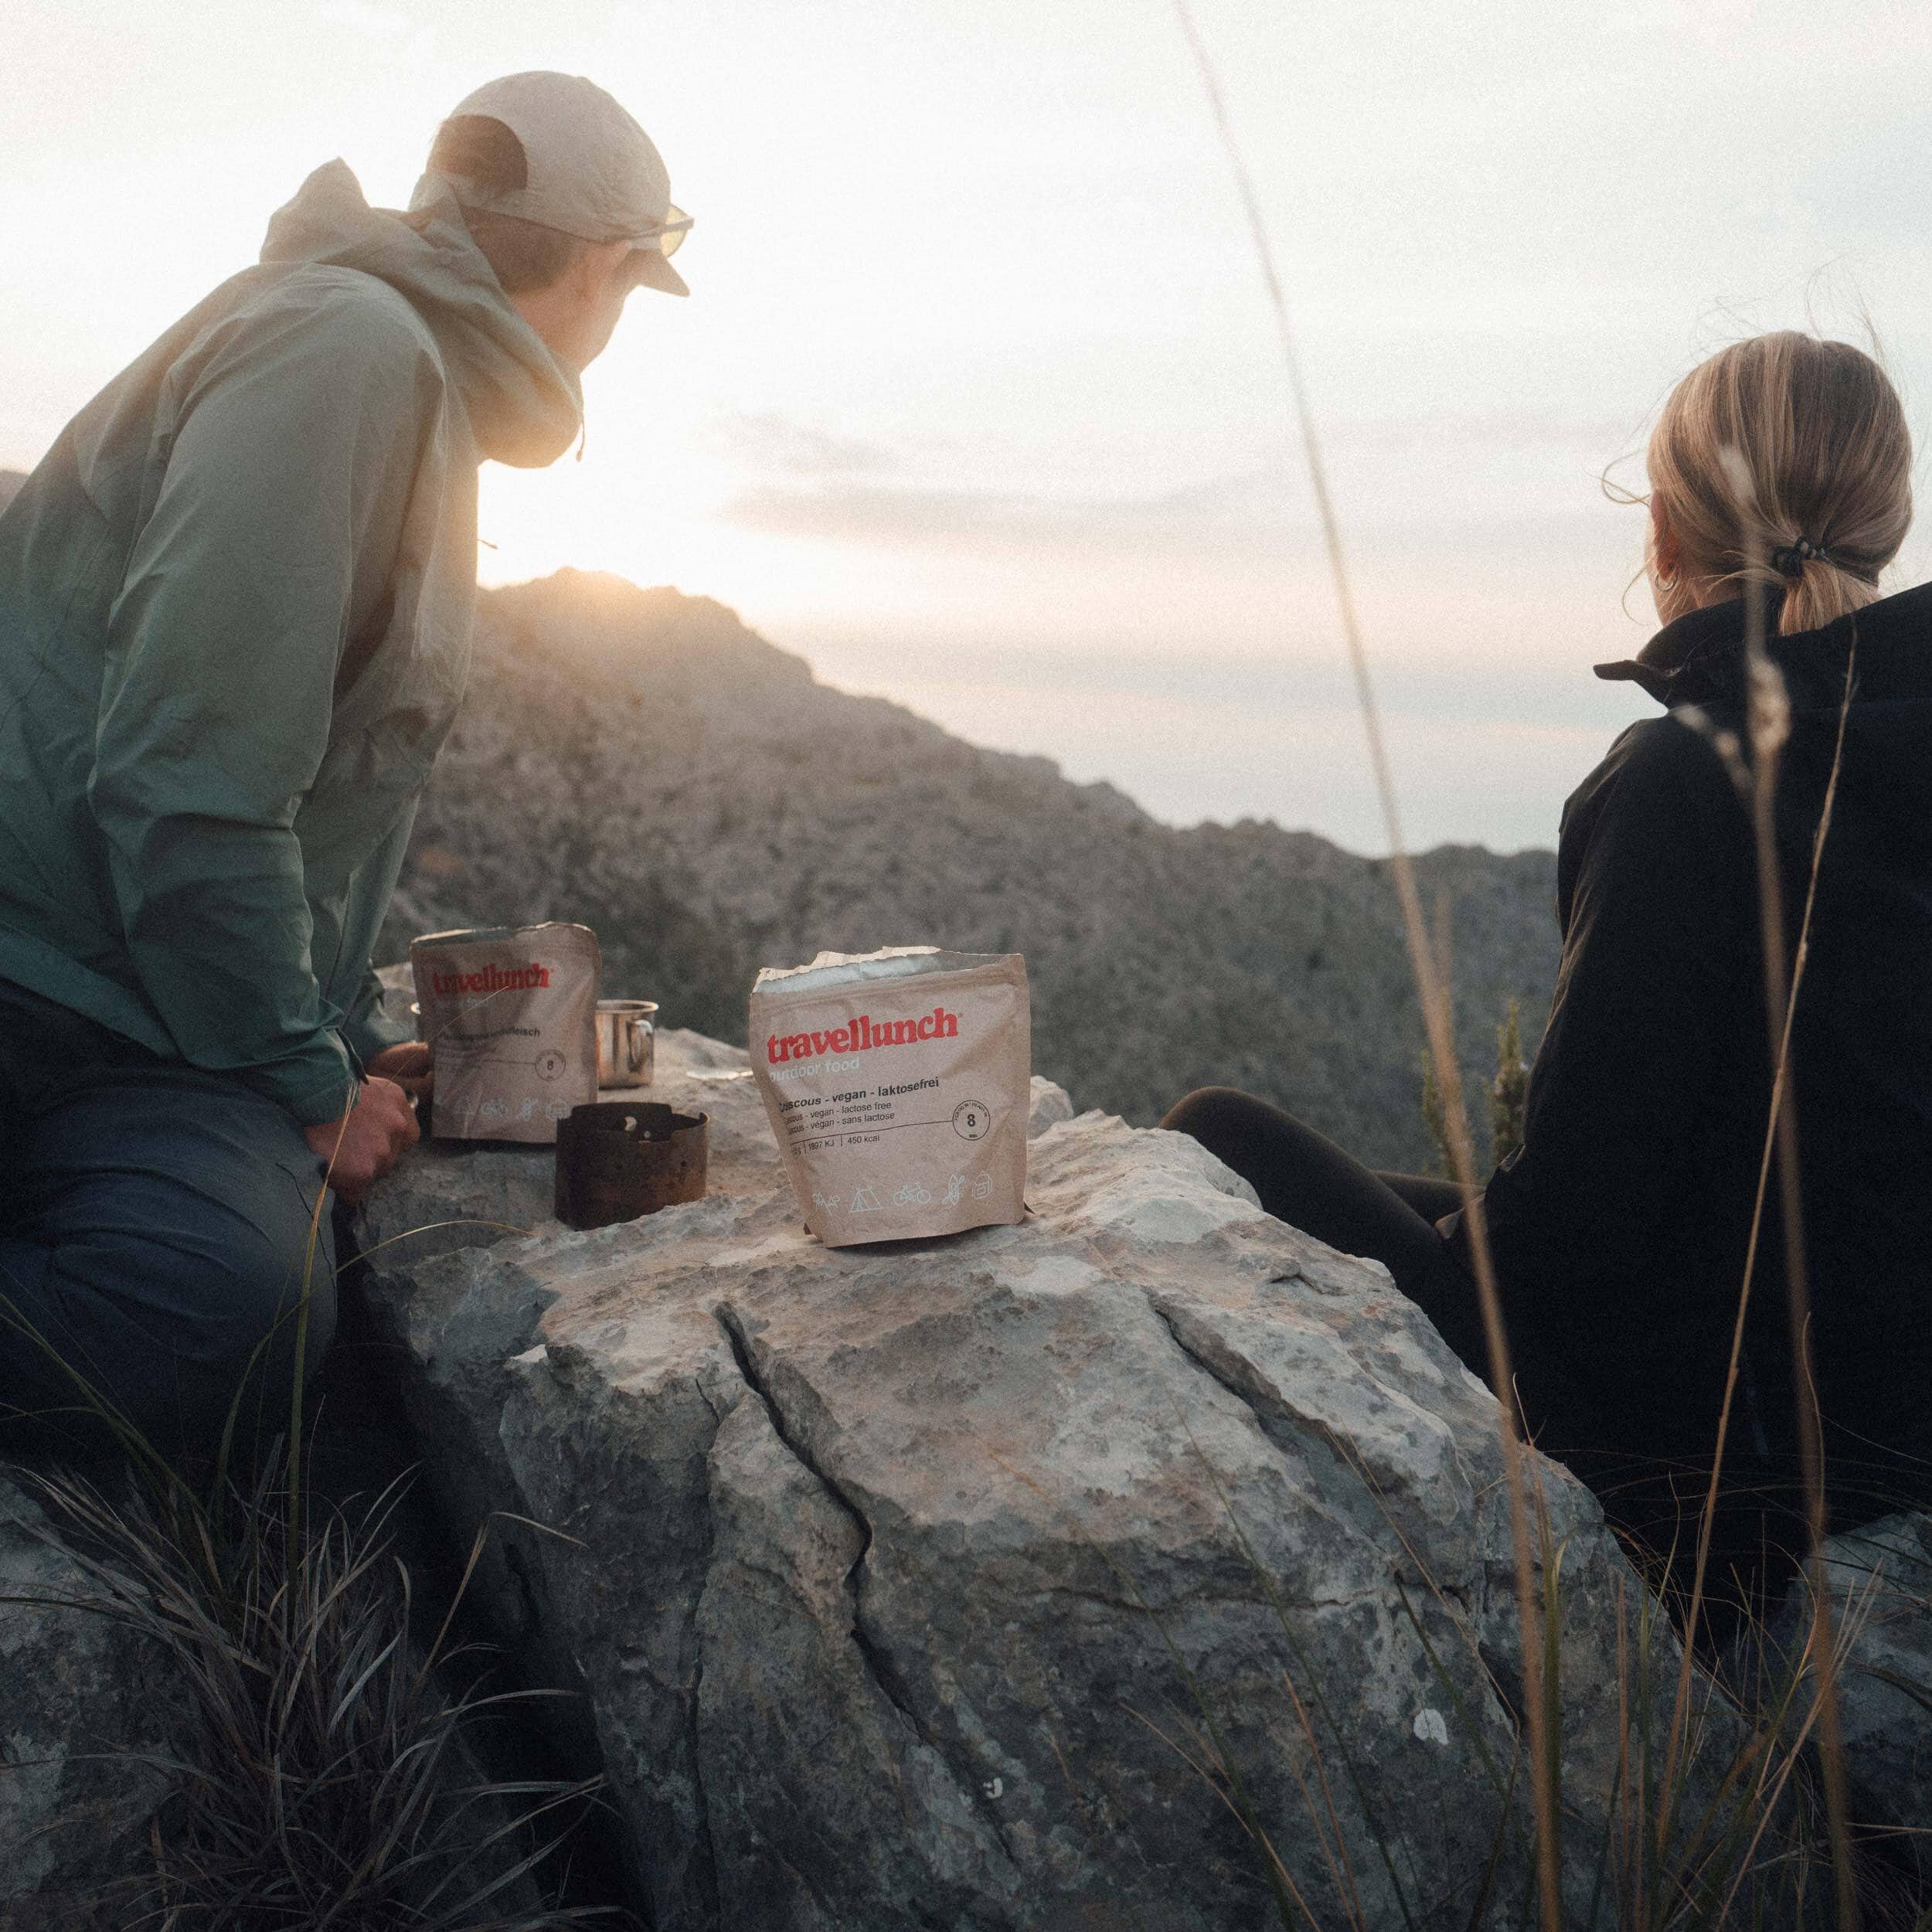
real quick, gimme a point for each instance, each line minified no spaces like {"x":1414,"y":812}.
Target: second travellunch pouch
{"x":898,"y":1084}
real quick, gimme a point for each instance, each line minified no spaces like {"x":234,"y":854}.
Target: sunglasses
{"x":660,"y":243}
{"x":670,"y":232}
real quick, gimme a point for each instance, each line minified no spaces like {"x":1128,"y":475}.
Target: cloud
{"x":801,"y":481}
{"x":770,"y":442}
{"x":1237,"y":509}
{"x":1514,"y":431}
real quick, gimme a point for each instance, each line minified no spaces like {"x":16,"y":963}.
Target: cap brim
{"x":650,"y":270}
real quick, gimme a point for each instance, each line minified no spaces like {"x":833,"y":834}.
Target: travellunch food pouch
{"x":510,"y":1014}
{"x":898,"y":1085}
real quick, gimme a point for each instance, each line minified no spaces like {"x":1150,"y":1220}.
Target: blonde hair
{"x":1822,"y":438}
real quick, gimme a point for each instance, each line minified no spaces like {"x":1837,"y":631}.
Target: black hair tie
{"x":1790,"y":560}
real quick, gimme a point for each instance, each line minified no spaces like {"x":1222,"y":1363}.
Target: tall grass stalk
{"x":1743,"y":776}
{"x":1767,"y":724}
{"x":1436,"y":1017}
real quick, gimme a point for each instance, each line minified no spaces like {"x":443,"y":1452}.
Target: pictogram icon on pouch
{"x":550,"y":1065}
{"x":972,"y":1119}
{"x":865,"y":1200}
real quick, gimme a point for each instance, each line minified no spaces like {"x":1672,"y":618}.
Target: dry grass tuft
{"x":322,"y":1777}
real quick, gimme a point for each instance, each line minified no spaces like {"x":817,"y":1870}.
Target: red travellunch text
{"x":491,"y":979}
{"x":862,"y":1035}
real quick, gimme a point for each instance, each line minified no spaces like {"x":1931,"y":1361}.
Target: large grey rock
{"x":952,"y":1584}
{"x":78,"y":1694}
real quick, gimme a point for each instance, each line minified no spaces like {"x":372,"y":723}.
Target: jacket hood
{"x":1699,"y":659}
{"x":526,"y":408}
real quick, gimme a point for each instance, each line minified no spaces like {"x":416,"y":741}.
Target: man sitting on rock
{"x":234,"y":605}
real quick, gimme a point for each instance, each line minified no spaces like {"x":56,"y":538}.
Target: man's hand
{"x":367,"y":1141}
{"x":411,"y":1065}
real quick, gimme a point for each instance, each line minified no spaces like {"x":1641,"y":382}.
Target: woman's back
{"x":1623,"y":1229}
{"x":1861,"y":1042}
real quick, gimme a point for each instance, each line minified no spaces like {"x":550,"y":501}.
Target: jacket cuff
{"x":311,"y":1091}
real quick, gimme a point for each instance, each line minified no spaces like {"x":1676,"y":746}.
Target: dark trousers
{"x":154,"y":1238}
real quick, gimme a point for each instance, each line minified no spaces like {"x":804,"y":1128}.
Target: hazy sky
{"x":975,"y":402}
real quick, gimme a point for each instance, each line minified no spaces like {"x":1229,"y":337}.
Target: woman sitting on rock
{"x":1621,"y":1230}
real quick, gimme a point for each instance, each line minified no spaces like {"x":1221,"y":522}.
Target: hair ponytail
{"x":1822,"y":437}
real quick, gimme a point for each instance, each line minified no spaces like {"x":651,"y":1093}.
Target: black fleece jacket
{"x":1620,"y":1228}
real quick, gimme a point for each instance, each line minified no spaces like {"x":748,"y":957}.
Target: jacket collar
{"x":1699,"y":659}
{"x":526,"y":408}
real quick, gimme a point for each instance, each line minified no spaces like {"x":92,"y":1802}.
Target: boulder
{"x":1881,"y":1580}
{"x":1036,"y":1577}
{"x":78,"y":1698}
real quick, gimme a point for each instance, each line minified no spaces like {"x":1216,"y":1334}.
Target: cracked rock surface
{"x":955,"y":1584}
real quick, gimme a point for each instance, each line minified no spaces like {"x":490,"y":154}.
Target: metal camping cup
{"x":627,"y":1030}
{"x":619,"y":1159}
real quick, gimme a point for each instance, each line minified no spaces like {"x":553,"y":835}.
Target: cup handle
{"x":635,"y":1040}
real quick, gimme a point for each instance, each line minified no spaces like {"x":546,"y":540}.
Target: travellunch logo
{"x":862,"y":1035}
{"x":491,"y":979}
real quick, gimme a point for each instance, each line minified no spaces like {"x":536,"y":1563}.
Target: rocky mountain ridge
{"x":640,"y":760}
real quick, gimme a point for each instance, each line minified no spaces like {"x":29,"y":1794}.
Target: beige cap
{"x":592,"y":170}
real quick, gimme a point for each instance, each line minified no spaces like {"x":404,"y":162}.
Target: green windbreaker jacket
{"x":235,"y":606}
